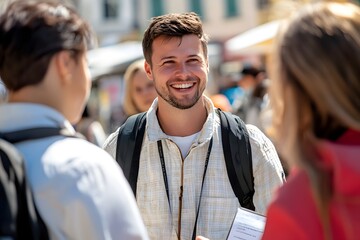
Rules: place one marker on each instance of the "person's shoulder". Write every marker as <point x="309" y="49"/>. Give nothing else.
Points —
<point x="257" y="137"/>
<point x="110" y="143"/>
<point x="81" y="150"/>
<point x="295" y="191"/>
<point x="292" y="211"/>
<point x="111" y="140"/>
<point x="264" y="154"/>
<point x="294" y="203"/>
<point x="71" y="160"/>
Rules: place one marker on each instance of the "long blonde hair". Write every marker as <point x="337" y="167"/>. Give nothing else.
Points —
<point x="315" y="90"/>
<point x="129" y="105"/>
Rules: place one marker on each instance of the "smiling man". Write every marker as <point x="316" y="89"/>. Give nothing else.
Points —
<point x="183" y="189"/>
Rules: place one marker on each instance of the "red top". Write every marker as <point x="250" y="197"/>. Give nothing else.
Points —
<point x="293" y="215"/>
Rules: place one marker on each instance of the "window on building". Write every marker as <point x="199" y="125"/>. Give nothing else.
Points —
<point x="111" y="9"/>
<point x="195" y="6"/>
<point x="157" y="7"/>
<point x="231" y="8"/>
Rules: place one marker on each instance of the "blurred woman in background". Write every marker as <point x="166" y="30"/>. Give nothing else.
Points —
<point x="139" y="90"/>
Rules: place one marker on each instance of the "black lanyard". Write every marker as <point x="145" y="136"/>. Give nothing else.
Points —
<point x="163" y="168"/>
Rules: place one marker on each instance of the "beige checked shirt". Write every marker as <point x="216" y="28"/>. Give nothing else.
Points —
<point x="218" y="202"/>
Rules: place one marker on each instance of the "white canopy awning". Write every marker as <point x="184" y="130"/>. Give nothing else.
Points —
<point x="113" y="59"/>
<point x="254" y="41"/>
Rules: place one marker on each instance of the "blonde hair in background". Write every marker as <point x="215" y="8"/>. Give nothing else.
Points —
<point x="316" y="87"/>
<point x="129" y="104"/>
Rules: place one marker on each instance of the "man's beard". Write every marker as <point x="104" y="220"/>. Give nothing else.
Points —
<point x="180" y="104"/>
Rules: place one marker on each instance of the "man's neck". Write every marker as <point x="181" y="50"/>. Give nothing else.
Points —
<point x="181" y="122"/>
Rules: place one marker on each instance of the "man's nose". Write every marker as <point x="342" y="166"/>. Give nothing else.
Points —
<point x="182" y="71"/>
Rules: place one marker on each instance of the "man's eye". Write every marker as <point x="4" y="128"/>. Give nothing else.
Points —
<point x="193" y="60"/>
<point x="168" y="62"/>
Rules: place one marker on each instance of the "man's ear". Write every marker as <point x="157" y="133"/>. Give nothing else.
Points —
<point x="63" y="63"/>
<point x="148" y="71"/>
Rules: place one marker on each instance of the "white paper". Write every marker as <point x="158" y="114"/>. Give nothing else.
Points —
<point x="247" y="225"/>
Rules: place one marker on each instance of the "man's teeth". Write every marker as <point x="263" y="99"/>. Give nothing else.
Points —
<point x="183" y="85"/>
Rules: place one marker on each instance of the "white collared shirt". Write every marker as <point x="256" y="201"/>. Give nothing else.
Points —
<point x="79" y="190"/>
<point x="218" y="203"/>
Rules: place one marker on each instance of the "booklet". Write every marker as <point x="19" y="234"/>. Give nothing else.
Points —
<point x="247" y="225"/>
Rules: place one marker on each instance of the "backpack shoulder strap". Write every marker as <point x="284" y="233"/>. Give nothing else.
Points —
<point x="15" y="196"/>
<point x="36" y="133"/>
<point x="128" y="147"/>
<point x="237" y="153"/>
<point x="22" y="211"/>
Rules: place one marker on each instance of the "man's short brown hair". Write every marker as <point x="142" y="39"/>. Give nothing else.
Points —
<point x="173" y="25"/>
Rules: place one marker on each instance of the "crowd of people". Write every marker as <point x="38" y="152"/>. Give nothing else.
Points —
<point x="304" y="108"/>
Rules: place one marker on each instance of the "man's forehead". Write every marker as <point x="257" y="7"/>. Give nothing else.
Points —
<point x="188" y="45"/>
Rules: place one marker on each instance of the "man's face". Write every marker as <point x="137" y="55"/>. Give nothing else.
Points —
<point x="179" y="70"/>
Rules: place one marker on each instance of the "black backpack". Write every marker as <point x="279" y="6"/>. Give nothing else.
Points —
<point x="236" y="146"/>
<point x="19" y="218"/>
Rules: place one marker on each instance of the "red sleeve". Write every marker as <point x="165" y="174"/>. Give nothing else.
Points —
<point x="280" y="225"/>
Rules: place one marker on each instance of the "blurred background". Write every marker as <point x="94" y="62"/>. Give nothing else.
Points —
<point x="241" y="33"/>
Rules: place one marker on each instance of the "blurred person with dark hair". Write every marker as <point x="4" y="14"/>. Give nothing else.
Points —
<point x="79" y="190"/>
<point x="315" y="94"/>
<point x="3" y="92"/>
<point x="250" y="105"/>
<point x="90" y="128"/>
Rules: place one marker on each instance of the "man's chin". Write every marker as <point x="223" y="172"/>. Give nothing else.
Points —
<point x="183" y="105"/>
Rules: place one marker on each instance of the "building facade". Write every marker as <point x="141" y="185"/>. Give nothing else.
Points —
<point x="120" y="20"/>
